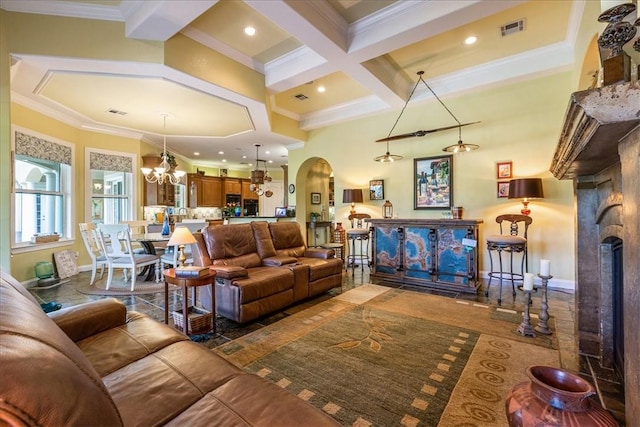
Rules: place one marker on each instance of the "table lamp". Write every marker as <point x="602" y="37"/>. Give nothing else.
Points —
<point x="181" y="236"/>
<point x="525" y="188"/>
<point x="352" y="196"/>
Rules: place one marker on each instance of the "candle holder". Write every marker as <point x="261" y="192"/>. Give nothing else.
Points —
<point x="544" y="314"/>
<point x="525" y="328"/>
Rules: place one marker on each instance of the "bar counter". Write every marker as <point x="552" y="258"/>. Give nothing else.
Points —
<point x="436" y="253"/>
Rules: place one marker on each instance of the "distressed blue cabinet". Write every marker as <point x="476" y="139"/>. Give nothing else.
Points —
<point x="439" y="253"/>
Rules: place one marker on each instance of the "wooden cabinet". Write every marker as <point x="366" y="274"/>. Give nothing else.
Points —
<point x="246" y="191"/>
<point x="232" y="186"/>
<point x="204" y="191"/>
<point x="435" y="253"/>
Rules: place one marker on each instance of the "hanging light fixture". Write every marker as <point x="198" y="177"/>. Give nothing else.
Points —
<point x="162" y="173"/>
<point x="460" y="146"/>
<point x="259" y="177"/>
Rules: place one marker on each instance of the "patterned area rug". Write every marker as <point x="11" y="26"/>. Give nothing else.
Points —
<point x="381" y="356"/>
<point x="121" y="287"/>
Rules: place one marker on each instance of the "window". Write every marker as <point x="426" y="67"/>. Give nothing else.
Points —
<point x="111" y="189"/>
<point x="42" y="184"/>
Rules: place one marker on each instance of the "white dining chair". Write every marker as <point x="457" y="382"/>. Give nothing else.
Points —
<point x="94" y="249"/>
<point x="115" y="240"/>
<point x="171" y="254"/>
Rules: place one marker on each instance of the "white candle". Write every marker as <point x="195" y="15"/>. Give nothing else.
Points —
<point x="545" y="265"/>
<point x="527" y="284"/>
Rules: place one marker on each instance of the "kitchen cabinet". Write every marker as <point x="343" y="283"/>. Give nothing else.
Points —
<point x="232" y="186"/>
<point x="204" y="191"/>
<point x="439" y="253"/>
<point x="246" y="192"/>
<point x="155" y="194"/>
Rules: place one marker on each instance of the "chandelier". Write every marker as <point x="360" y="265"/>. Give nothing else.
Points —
<point x="162" y="173"/>
<point x="259" y="176"/>
<point x="455" y="148"/>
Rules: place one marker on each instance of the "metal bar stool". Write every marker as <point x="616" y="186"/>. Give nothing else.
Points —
<point x="357" y="234"/>
<point x="510" y="243"/>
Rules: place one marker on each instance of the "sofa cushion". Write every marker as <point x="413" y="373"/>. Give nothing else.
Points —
<point x="35" y="352"/>
<point x="232" y="245"/>
<point x="262" y="235"/>
<point x="263" y="282"/>
<point x="287" y="238"/>
<point x="320" y="268"/>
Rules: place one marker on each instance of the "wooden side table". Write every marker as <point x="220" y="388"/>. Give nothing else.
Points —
<point x="185" y="284"/>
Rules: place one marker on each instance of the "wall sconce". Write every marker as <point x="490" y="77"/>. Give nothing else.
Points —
<point x="352" y="196"/>
<point x="387" y="209"/>
<point x="525" y="188"/>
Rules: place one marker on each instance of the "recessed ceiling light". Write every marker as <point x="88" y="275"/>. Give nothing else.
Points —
<point x="244" y="157"/>
<point x="270" y="161"/>
<point x="267" y="152"/>
<point x="470" y="40"/>
<point x="224" y="160"/>
<point x="321" y="89"/>
<point x="250" y="31"/>
<point x="196" y="153"/>
<point x="220" y="152"/>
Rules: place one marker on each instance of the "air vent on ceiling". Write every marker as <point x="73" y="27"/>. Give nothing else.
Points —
<point x="118" y="112"/>
<point x="301" y="97"/>
<point x="512" y="27"/>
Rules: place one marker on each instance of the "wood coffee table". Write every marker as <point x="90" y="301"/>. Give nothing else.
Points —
<point x="185" y="284"/>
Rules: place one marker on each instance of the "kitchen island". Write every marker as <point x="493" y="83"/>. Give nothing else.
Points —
<point x="437" y="253"/>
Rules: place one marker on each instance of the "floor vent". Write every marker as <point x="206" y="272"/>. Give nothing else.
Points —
<point x="512" y="27"/>
<point x="301" y="97"/>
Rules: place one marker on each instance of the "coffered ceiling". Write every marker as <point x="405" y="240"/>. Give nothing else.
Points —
<point x="365" y="53"/>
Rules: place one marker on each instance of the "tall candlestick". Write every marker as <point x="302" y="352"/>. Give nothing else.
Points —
<point x="527" y="284"/>
<point x="545" y="267"/>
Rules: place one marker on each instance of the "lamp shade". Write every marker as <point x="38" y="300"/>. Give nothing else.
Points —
<point x="525" y="188"/>
<point x="352" y="196"/>
<point x="181" y="236"/>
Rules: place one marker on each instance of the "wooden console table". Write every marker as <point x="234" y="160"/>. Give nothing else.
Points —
<point x="438" y="253"/>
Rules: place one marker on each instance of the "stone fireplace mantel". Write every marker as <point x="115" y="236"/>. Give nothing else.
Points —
<point x="595" y="121"/>
<point x="599" y="149"/>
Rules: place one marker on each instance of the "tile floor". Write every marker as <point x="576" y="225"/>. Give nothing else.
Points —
<point x="561" y="306"/>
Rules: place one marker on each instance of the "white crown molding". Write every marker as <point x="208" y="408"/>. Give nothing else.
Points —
<point x="351" y="110"/>
<point x="223" y="48"/>
<point x="289" y="70"/>
<point x="65" y="8"/>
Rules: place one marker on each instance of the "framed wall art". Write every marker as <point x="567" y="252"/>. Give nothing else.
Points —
<point x="503" y="189"/>
<point x="504" y="170"/>
<point x="315" y="198"/>
<point x="433" y="182"/>
<point x="376" y="189"/>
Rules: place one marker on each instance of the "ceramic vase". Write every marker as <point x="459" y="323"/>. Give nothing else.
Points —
<point x="554" y="397"/>
<point x="237" y="211"/>
<point x="166" y="230"/>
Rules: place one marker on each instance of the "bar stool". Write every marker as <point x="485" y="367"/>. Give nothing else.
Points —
<point x="357" y="234"/>
<point x="510" y="243"/>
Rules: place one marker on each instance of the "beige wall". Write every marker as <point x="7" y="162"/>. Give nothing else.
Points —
<point x="5" y="143"/>
<point x="520" y="123"/>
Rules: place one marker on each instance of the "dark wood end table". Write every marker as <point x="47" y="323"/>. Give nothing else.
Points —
<point x="185" y="284"/>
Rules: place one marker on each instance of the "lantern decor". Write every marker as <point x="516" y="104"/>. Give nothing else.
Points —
<point x="387" y="209"/>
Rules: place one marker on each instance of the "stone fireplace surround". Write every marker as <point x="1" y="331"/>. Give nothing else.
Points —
<point x="599" y="149"/>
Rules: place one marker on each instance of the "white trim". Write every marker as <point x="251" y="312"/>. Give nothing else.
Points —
<point x="565" y="284"/>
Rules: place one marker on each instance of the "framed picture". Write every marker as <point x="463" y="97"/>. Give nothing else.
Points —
<point x="503" y="189"/>
<point x="433" y="182"/>
<point x="504" y="170"/>
<point x="315" y="198"/>
<point x="376" y="189"/>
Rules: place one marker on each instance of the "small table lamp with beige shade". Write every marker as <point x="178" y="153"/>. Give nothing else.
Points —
<point x="180" y="237"/>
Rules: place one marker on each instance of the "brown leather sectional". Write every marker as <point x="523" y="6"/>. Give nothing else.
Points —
<point x="263" y="267"/>
<point x="95" y="364"/>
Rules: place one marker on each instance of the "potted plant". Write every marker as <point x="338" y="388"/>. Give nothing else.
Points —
<point x="314" y="216"/>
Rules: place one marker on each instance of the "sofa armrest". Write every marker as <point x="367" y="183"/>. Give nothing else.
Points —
<point x="278" y="260"/>
<point x="229" y="271"/>
<point x="319" y="253"/>
<point x="84" y="320"/>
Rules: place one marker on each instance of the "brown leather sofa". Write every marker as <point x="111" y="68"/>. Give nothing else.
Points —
<point x="263" y="267"/>
<point x="97" y="365"/>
